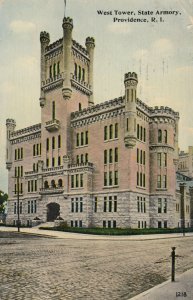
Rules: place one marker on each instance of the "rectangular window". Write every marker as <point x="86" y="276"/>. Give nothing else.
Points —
<point x="109" y="224"/>
<point x="35" y="185"/>
<point x="159" y="181"/>
<point x="159" y="162"/>
<point x="116" y="155"/>
<point x="76" y="204"/>
<point x="115" y="203"/>
<point x="72" y="205"/>
<point x="141" y="133"/>
<point x="165" y="206"/>
<point x="143" y="179"/>
<point x="95" y="204"/>
<point x="53" y="161"/>
<point x="47" y="144"/>
<point x="32" y="207"/>
<point x="72" y="181"/>
<point x="138" y="204"/>
<point x="28" y="207"/>
<point x="110" y="131"/>
<point x="105" y="178"/>
<point x="110" y="204"/>
<point x="82" y="139"/>
<point x="110" y="178"/>
<point x="144" y="158"/>
<point x="53" y="142"/>
<point x="21" y="153"/>
<point x="138" y="224"/>
<point x="59" y="160"/>
<point x="47" y="162"/>
<point x="105" y="133"/>
<point x="59" y="141"/>
<point x="144" y="205"/>
<point x="116" y="178"/>
<point x="138" y="131"/>
<point x="81" y="180"/>
<point x="159" y="205"/>
<point x="137" y="155"/>
<point x="32" y="186"/>
<point x="165" y="224"/>
<point x="15" y="208"/>
<point x="165" y="159"/>
<point x="35" y="206"/>
<point x="81" y="205"/>
<point x="77" y="139"/>
<point x="86" y="157"/>
<point x="15" y="154"/>
<point x="110" y="156"/>
<point x="105" y="157"/>
<point x="159" y="224"/>
<point x="105" y="204"/>
<point x="144" y="135"/>
<point x="28" y="187"/>
<point x="77" y="159"/>
<point x="76" y="224"/>
<point x="34" y="150"/>
<point x="164" y="181"/>
<point x="116" y="130"/>
<point x="53" y="110"/>
<point x="71" y="223"/>
<point x="21" y="171"/>
<point x="137" y="178"/>
<point x="77" y="180"/>
<point x="82" y="158"/>
<point x="86" y="138"/>
<point x="104" y="224"/>
<point x="141" y="202"/>
<point x="114" y="224"/>
<point x="80" y="223"/>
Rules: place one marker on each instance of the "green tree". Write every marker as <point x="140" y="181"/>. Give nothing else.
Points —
<point x="3" y="201"/>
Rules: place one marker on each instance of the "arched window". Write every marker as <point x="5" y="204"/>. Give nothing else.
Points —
<point x="60" y="183"/>
<point x="53" y="142"/>
<point x="46" y="184"/>
<point x="58" y="68"/>
<point x="53" y="184"/>
<point x="34" y="167"/>
<point x="165" y="136"/>
<point x="83" y="74"/>
<point x="159" y="136"/>
<point x="50" y="71"/>
<point x="75" y="70"/>
<point x="54" y="70"/>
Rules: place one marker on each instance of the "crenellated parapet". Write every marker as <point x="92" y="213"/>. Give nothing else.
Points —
<point x="54" y="46"/>
<point x="163" y="110"/>
<point x="67" y="23"/>
<point x="44" y="38"/>
<point x="26" y="131"/>
<point x="79" y="48"/>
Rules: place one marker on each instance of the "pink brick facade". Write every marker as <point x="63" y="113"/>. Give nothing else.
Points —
<point x="112" y="164"/>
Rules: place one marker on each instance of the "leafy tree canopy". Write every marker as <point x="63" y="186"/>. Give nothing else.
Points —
<point x="3" y="200"/>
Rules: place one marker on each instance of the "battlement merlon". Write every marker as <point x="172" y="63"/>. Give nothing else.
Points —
<point x="163" y="111"/>
<point x="10" y="122"/>
<point x="131" y="76"/>
<point x="25" y="131"/>
<point x="44" y="38"/>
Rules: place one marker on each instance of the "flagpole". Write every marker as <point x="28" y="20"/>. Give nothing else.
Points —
<point x="64" y="8"/>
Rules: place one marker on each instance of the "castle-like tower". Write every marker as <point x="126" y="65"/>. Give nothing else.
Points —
<point x="106" y="165"/>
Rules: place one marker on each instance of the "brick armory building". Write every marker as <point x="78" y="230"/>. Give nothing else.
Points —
<point x="109" y="165"/>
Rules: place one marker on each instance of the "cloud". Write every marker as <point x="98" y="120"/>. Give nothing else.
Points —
<point x="119" y="28"/>
<point x="19" y="26"/>
<point x="162" y="46"/>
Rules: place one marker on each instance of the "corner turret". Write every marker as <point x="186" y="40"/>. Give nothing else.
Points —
<point x="44" y="40"/>
<point x="90" y="45"/>
<point x="67" y="46"/>
<point x="130" y="82"/>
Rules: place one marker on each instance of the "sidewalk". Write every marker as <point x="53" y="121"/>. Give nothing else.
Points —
<point x="182" y="288"/>
<point x="79" y="236"/>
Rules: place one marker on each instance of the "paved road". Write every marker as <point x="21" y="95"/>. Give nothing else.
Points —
<point x="39" y="268"/>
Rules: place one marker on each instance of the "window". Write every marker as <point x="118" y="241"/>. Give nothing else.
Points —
<point x="83" y="74"/>
<point x="105" y="133"/>
<point x="165" y="136"/>
<point x="141" y="133"/>
<point x="164" y="181"/>
<point x="81" y="205"/>
<point x="82" y="158"/>
<point x="141" y="157"/>
<point x="114" y="224"/>
<point x="15" y="208"/>
<point x="159" y="162"/>
<point x="47" y="162"/>
<point x="58" y="68"/>
<point x="138" y="204"/>
<point x="159" y="224"/>
<point x="46" y="186"/>
<point x="79" y="73"/>
<point x="53" y="110"/>
<point x="159" y="136"/>
<point x="115" y="203"/>
<point x="60" y="183"/>
<point x="165" y="206"/>
<point x="144" y="205"/>
<point x="53" y="142"/>
<point x="47" y="144"/>
<point x="15" y="154"/>
<point x="159" y="205"/>
<point x="116" y="177"/>
<point x="144" y="158"/>
<point x="105" y="178"/>
<point x="165" y="159"/>
<point x="54" y="70"/>
<point x="82" y="139"/>
<point x="75" y="70"/>
<point x="34" y="150"/>
<point x="53" y="162"/>
<point x="104" y="224"/>
<point x="86" y="157"/>
<point x="110" y="178"/>
<point x="72" y="205"/>
<point x="116" y="130"/>
<point x="110" y="156"/>
<point x="105" y="157"/>
<point x="59" y="160"/>
<point x="72" y="181"/>
<point x="110" y="204"/>
<point x="77" y="139"/>
<point x="71" y="223"/>
<point x="105" y="204"/>
<point x="77" y="180"/>
<point x="138" y="131"/>
<point x="81" y="180"/>
<point x="59" y="141"/>
<point x="35" y="185"/>
<point x="53" y="184"/>
<point x="86" y="138"/>
<point x="116" y="155"/>
<point x="137" y="178"/>
<point x="76" y="204"/>
<point x="137" y="155"/>
<point x="109" y="224"/>
<point x="144" y="135"/>
<point x="95" y="204"/>
<point x="159" y="181"/>
<point x="110" y="131"/>
<point x="80" y="223"/>
<point x="79" y="106"/>
<point x="143" y="179"/>
<point x="165" y="224"/>
<point x="50" y="71"/>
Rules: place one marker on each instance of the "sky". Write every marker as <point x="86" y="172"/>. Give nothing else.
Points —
<point x="161" y="53"/>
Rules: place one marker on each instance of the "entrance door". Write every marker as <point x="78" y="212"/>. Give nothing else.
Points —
<point x="53" y="211"/>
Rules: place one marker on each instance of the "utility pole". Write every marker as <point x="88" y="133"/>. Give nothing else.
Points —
<point x="18" y="206"/>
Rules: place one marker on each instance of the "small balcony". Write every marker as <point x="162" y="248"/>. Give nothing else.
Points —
<point x="51" y="190"/>
<point x="52" y="125"/>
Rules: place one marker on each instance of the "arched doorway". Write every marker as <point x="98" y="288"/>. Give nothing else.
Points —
<point x="53" y="211"/>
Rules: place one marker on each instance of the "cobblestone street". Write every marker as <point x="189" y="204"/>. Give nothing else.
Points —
<point x="34" y="267"/>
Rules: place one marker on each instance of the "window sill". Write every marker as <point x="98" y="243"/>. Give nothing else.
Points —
<point x="111" y="140"/>
<point x="161" y="189"/>
<point x="77" y="188"/>
<point x="110" y="186"/>
<point x="82" y="146"/>
<point x="140" y="187"/>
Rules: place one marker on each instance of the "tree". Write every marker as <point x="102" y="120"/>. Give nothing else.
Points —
<point x="3" y="201"/>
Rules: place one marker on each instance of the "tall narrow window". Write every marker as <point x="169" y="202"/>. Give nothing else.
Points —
<point x="144" y="135"/>
<point x="53" y="142"/>
<point x="59" y="160"/>
<point x="53" y="162"/>
<point x="141" y="133"/>
<point x="83" y="74"/>
<point x="59" y="141"/>
<point x="164" y="181"/>
<point x="77" y="180"/>
<point x="165" y="159"/>
<point x="165" y="206"/>
<point x="81" y="180"/>
<point x="105" y="133"/>
<point x="82" y="138"/>
<point x="159" y="181"/>
<point x="105" y="178"/>
<point x="15" y="154"/>
<point x="115" y="203"/>
<point x="95" y="204"/>
<point x="116" y="177"/>
<point x="137" y="178"/>
<point x="110" y="131"/>
<point x="81" y="205"/>
<point x="105" y="157"/>
<point x="141" y="157"/>
<point x="144" y="158"/>
<point x="47" y="144"/>
<point x="165" y="136"/>
<point x="79" y="73"/>
<point x="110" y="204"/>
<point x="105" y="204"/>
<point x="47" y="162"/>
<point x="116" y="155"/>
<point x="58" y="68"/>
<point x="72" y="181"/>
<point x="138" y="131"/>
<point x="50" y="71"/>
<point x="53" y="110"/>
<point x="159" y="162"/>
<point x="159" y="136"/>
<point x="79" y="106"/>
<point x="159" y="205"/>
<point x="110" y="156"/>
<point x="86" y="138"/>
<point x="137" y="155"/>
<point x="77" y="139"/>
<point x="72" y="205"/>
<point x="110" y="178"/>
<point x="34" y="150"/>
<point x="75" y="70"/>
<point x="54" y="70"/>
<point x="86" y="157"/>
<point x="21" y="153"/>
<point x="82" y="159"/>
<point x="116" y="130"/>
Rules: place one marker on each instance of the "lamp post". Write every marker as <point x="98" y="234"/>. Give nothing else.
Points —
<point x="18" y="207"/>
